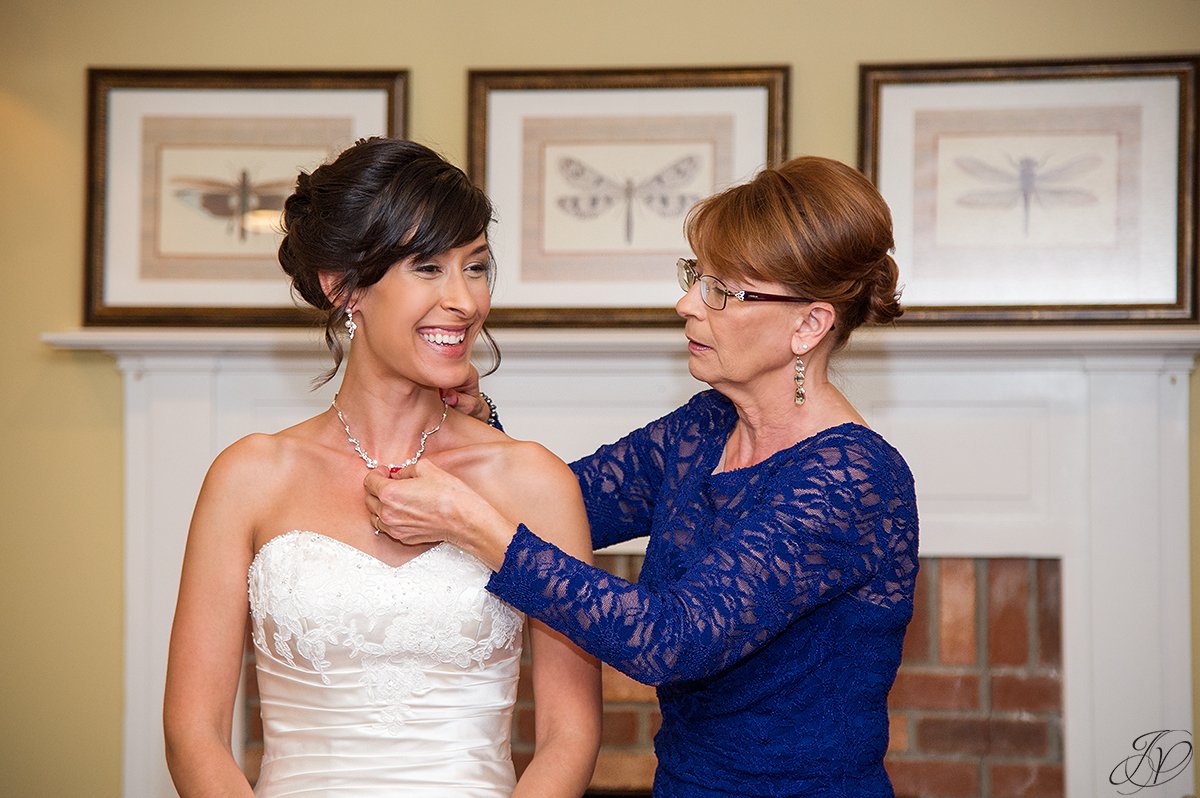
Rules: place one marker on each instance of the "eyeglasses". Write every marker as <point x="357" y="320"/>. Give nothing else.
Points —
<point x="715" y="294"/>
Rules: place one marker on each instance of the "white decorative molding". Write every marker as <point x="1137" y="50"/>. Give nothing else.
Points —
<point x="1046" y="442"/>
<point x="934" y="341"/>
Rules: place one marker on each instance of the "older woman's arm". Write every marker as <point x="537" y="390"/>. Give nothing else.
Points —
<point x="789" y="556"/>
<point x="621" y="482"/>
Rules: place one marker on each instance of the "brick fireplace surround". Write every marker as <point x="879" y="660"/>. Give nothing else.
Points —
<point x="1052" y="479"/>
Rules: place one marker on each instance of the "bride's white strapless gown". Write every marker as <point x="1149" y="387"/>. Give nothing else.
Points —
<point x="378" y="680"/>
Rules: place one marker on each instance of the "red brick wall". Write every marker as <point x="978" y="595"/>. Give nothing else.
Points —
<point x="977" y="706"/>
<point x="976" y="711"/>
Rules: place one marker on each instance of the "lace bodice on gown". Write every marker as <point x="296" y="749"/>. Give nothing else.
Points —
<point x="377" y="680"/>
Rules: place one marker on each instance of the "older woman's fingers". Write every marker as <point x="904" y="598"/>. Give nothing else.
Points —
<point x="375" y="482"/>
<point x="410" y="508"/>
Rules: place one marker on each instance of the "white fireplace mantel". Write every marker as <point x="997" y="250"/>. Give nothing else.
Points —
<point x="1069" y="443"/>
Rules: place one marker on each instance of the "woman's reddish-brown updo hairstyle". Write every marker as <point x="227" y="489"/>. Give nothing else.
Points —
<point x="380" y="202"/>
<point x="814" y="225"/>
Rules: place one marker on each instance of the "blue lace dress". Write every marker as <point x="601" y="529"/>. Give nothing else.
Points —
<point x="770" y="610"/>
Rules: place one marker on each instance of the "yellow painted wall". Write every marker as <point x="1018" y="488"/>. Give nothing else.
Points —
<point x="60" y="460"/>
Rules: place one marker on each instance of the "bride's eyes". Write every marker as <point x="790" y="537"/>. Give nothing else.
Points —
<point x="474" y="270"/>
<point x="481" y="269"/>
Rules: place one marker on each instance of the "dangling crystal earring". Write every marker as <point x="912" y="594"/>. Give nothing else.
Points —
<point x="350" y="325"/>
<point x="799" y="381"/>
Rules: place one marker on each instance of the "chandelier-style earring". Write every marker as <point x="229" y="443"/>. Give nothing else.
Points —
<point x="350" y="325"/>
<point x="799" y="381"/>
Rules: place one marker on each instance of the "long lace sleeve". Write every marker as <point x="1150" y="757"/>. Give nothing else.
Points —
<point x="621" y="482"/>
<point x="816" y="529"/>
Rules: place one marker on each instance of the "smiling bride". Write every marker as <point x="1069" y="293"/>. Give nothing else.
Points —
<point x="383" y="668"/>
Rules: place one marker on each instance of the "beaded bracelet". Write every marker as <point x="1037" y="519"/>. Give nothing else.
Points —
<point x="493" y="419"/>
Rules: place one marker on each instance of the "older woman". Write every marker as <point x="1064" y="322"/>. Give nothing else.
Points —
<point x="779" y="574"/>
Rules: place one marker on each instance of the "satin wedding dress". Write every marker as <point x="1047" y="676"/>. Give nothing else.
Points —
<point x="378" y="680"/>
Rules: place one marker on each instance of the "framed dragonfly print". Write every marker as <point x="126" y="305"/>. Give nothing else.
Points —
<point x="592" y="173"/>
<point x="187" y="174"/>
<point x="1060" y="191"/>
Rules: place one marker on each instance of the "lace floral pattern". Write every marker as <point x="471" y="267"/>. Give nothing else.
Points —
<point x="394" y="621"/>
<point x="767" y="592"/>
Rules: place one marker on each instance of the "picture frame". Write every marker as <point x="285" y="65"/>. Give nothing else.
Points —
<point x="592" y="172"/>
<point x="1038" y="191"/>
<point x="186" y="175"/>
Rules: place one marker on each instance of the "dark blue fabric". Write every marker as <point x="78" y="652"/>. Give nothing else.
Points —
<point x="770" y="610"/>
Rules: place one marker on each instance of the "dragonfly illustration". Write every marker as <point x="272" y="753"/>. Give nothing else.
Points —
<point x="598" y="193"/>
<point x="1027" y="180"/>
<point x="241" y="201"/>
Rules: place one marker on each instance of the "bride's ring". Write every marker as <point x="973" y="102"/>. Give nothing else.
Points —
<point x="375" y="521"/>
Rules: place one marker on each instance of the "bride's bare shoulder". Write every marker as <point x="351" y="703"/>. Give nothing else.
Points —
<point x="263" y="460"/>
<point x="484" y="456"/>
<point x="526" y="482"/>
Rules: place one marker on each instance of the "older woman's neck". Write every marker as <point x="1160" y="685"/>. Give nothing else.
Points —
<point x="771" y="423"/>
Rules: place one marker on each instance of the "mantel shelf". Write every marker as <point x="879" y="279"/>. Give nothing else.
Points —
<point x="908" y="341"/>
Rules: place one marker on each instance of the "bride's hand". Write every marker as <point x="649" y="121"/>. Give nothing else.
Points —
<point x="430" y="505"/>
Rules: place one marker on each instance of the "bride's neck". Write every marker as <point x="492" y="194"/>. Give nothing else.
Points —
<point x="387" y="417"/>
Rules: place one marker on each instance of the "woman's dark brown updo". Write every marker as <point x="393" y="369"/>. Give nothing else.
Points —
<point x="380" y="202"/>
<point x="814" y="225"/>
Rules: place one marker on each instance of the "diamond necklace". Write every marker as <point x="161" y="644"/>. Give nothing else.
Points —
<point x="371" y="462"/>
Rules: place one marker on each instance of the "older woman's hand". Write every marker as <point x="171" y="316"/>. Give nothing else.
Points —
<point x="430" y="505"/>
<point x="468" y="399"/>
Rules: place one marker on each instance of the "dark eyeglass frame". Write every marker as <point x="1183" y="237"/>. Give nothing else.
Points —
<point x="688" y="276"/>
